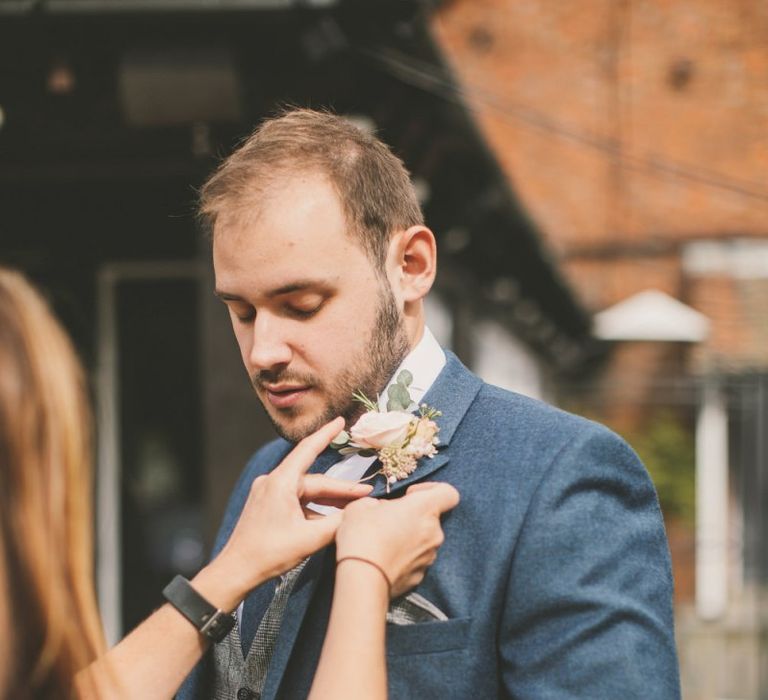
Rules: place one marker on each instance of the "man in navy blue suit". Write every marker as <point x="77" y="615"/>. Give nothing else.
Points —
<point x="554" y="580"/>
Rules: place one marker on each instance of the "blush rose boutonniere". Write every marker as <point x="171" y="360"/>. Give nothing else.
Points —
<point x="398" y="437"/>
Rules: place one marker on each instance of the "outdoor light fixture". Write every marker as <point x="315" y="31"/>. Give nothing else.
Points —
<point x="651" y="315"/>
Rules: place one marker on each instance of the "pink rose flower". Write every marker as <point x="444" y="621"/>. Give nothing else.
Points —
<point x="376" y="430"/>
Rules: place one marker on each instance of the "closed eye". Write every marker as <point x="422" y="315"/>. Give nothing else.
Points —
<point x="297" y="312"/>
<point x="247" y="318"/>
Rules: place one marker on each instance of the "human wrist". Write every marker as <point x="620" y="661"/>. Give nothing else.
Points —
<point x="224" y="582"/>
<point x="358" y="567"/>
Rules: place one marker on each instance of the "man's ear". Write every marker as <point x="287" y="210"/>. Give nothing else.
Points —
<point x="415" y="262"/>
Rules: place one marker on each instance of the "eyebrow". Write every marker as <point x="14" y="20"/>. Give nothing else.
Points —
<point x="296" y="286"/>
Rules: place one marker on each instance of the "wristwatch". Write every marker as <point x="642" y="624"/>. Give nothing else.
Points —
<point x="209" y="620"/>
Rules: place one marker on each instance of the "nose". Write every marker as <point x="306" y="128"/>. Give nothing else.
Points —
<point x="269" y="345"/>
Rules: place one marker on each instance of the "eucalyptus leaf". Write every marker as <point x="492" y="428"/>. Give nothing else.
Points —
<point x="405" y="378"/>
<point x="399" y="399"/>
<point x="349" y="451"/>
<point x="399" y="392"/>
<point x="367" y="453"/>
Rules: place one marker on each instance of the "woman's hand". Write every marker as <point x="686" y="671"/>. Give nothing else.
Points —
<point x="271" y="536"/>
<point x="400" y="535"/>
<point x="274" y="533"/>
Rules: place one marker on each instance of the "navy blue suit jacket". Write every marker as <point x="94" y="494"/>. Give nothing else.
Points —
<point x="554" y="574"/>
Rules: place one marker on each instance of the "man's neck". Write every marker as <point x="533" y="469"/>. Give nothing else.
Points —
<point x="414" y="330"/>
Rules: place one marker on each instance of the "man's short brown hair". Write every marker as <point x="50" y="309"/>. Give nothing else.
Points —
<point x="373" y="185"/>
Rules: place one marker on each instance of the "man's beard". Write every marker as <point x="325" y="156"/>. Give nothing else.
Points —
<point x="368" y="373"/>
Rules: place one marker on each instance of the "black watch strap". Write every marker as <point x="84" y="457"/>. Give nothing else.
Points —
<point x="210" y="621"/>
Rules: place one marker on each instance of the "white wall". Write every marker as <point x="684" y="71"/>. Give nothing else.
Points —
<point x="501" y="359"/>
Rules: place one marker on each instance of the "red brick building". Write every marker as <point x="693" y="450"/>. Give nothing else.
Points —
<point x="630" y="130"/>
<point x="636" y="136"/>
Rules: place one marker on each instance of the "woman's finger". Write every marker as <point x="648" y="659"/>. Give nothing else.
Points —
<point x="335" y="502"/>
<point x="437" y="499"/>
<point x="305" y="453"/>
<point x="321" y="531"/>
<point x="422" y="486"/>
<point x="320" y="488"/>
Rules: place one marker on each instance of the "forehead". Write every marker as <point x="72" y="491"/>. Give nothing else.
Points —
<point x="296" y="229"/>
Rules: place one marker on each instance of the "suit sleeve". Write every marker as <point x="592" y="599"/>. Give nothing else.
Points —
<point x="588" y="607"/>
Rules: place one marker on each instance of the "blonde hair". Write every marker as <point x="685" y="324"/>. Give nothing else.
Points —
<point x="46" y="547"/>
<point x="372" y="183"/>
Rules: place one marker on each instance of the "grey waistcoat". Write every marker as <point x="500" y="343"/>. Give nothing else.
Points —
<point x="238" y="678"/>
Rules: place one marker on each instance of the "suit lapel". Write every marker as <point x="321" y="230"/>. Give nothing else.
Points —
<point x="425" y="467"/>
<point x="325" y="460"/>
<point x="299" y="599"/>
<point x="254" y="607"/>
<point x="258" y="600"/>
<point x="292" y="619"/>
<point x="452" y="393"/>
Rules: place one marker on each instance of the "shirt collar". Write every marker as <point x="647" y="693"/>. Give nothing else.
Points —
<point x="424" y="362"/>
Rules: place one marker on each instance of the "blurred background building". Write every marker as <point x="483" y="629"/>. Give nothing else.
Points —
<point x="597" y="177"/>
<point x="636" y="136"/>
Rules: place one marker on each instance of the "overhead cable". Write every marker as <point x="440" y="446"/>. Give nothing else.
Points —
<point x="435" y="80"/>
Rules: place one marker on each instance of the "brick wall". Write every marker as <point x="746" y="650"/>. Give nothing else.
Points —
<point x="612" y="116"/>
<point x="629" y="129"/>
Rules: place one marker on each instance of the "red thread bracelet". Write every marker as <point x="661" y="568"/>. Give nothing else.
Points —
<point x="373" y="564"/>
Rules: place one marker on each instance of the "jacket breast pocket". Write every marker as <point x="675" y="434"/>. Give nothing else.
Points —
<point x="427" y="637"/>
